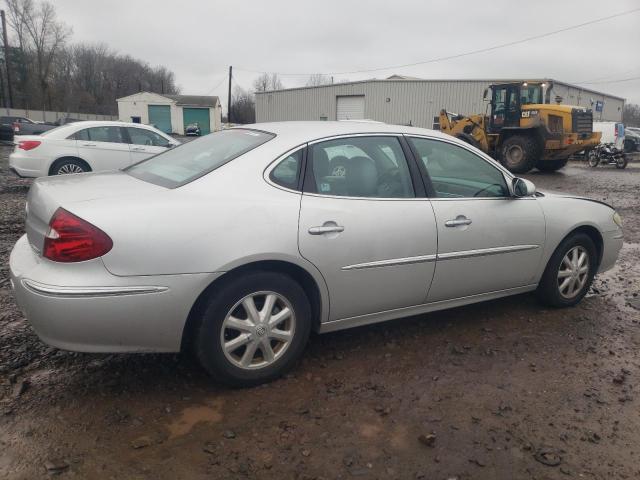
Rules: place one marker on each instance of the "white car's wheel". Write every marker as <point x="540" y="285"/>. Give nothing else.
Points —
<point x="254" y="329"/>
<point x="69" y="166"/>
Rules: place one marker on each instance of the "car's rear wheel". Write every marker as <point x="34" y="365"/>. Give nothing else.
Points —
<point x="569" y="272"/>
<point x="69" y="166"/>
<point x="254" y="329"/>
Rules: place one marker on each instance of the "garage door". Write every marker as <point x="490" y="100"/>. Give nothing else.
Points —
<point x="350" y="108"/>
<point x="199" y="116"/>
<point x="160" y="117"/>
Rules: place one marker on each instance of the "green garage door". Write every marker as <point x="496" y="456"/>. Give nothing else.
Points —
<point x="199" y="116"/>
<point x="160" y="117"/>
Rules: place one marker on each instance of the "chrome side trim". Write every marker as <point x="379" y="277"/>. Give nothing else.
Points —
<point x="391" y="262"/>
<point x="384" y="316"/>
<point x="81" y="292"/>
<point x="441" y="256"/>
<point x="485" y="251"/>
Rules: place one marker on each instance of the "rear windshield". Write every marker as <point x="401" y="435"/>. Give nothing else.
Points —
<point x="192" y="160"/>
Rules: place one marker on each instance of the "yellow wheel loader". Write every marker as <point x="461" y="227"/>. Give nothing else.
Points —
<point x="524" y="129"/>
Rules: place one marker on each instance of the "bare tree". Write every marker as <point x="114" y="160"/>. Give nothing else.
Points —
<point x="40" y="34"/>
<point x="84" y="78"/>
<point x="243" y="106"/>
<point x="266" y="82"/>
<point x="318" y="79"/>
<point x="631" y="115"/>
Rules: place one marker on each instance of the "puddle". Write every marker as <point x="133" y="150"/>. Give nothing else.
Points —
<point x="191" y="416"/>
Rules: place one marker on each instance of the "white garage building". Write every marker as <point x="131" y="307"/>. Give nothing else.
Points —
<point x="171" y="113"/>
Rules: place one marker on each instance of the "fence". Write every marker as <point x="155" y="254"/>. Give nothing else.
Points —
<point x="40" y="116"/>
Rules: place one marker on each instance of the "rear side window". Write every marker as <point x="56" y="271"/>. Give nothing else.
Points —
<point x="287" y="172"/>
<point x="100" y="134"/>
<point x="372" y="167"/>
<point x="192" y="160"/>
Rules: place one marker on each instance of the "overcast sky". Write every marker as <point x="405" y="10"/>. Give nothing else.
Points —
<point x="198" y="40"/>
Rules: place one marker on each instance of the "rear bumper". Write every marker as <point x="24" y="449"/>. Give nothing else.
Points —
<point x="28" y="166"/>
<point x="82" y="307"/>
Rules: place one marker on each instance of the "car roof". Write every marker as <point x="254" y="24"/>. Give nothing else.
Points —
<point x="104" y="123"/>
<point x="304" y="131"/>
<point x="64" y="130"/>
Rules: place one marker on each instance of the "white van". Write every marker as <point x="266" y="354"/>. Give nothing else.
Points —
<point x="612" y="132"/>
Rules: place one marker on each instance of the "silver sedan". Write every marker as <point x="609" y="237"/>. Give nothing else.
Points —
<point x="240" y="244"/>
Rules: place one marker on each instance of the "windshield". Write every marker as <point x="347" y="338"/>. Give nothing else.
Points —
<point x="192" y="160"/>
<point x="530" y="94"/>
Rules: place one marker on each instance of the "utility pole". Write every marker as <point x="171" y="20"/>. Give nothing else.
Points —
<point x="6" y="57"/>
<point x="229" y="98"/>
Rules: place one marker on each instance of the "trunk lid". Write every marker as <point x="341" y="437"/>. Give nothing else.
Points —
<point x="47" y="194"/>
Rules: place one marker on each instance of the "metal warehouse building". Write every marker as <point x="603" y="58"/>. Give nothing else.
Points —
<point x="408" y="101"/>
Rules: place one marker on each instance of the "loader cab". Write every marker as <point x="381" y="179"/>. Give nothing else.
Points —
<point x="505" y="107"/>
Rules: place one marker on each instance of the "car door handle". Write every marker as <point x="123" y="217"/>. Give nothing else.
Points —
<point x="88" y="144"/>
<point x="326" y="229"/>
<point x="138" y="149"/>
<point x="460" y="220"/>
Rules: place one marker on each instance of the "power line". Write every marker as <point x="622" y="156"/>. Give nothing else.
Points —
<point x="459" y="55"/>
<point x="217" y="85"/>
<point x="620" y="80"/>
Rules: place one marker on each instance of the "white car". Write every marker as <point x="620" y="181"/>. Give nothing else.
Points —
<point x="90" y="146"/>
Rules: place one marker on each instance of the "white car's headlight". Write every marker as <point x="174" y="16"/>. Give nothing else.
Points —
<point x="617" y="219"/>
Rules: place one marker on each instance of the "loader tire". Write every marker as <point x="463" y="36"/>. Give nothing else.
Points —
<point x="551" y="165"/>
<point x="520" y="153"/>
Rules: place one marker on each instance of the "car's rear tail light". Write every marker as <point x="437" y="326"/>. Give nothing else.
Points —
<point x="72" y="239"/>
<point x="28" y="144"/>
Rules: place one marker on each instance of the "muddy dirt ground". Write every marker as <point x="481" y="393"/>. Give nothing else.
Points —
<point x="500" y="390"/>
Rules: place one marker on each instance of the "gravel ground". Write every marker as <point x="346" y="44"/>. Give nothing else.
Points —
<point x="504" y="389"/>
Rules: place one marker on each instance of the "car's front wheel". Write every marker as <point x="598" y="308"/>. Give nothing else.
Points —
<point x="569" y="272"/>
<point x="254" y="329"/>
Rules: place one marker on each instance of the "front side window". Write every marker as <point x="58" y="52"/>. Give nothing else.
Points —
<point x="455" y="172"/>
<point x="192" y="160"/>
<point x="287" y="172"/>
<point x="361" y="167"/>
<point x="140" y="136"/>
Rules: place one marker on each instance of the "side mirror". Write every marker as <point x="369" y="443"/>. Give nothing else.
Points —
<point x="521" y="187"/>
<point x="170" y="145"/>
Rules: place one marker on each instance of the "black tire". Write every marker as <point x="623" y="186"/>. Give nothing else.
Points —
<point x="622" y="162"/>
<point x="208" y="335"/>
<point x="593" y="159"/>
<point x="551" y="165"/>
<point x="468" y="138"/>
<point x="548" y="291"/>
<point x="67" y="166"/>
<point x="520" y="153"/>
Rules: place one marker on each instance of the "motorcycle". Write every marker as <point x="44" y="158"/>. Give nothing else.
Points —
<point x="607" y="153"/>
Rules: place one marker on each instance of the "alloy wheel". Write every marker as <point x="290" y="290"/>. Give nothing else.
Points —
<point x="68" y="168"/>
<point x="573" y="272"/>
<point x="257" y="330"/>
